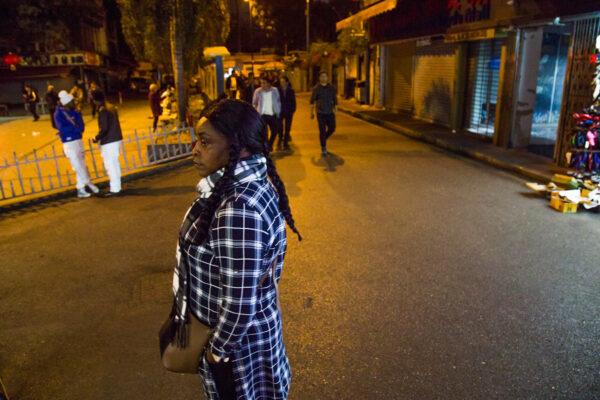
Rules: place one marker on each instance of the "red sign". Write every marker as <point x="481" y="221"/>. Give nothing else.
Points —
<point x="11" y="59"/>
<point x="467" y="11"/>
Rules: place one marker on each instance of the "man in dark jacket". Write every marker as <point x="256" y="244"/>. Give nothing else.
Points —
<point x="31" y="98"/>
<point x="52" y="102"/>
<point x="93" y="88"/>
<point x="249" y="88"/>
<point x="324" y="101"/>
<point x="110" y="138"/>
<point x="288" y="108"/>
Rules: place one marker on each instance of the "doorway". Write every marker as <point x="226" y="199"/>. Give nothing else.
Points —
<point x="549" y="89"/>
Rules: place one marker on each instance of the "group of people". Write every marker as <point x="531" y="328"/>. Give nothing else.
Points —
<point x="31" y="99"/>
<point x="275" y="100"/>
<point x="67" y="119"/>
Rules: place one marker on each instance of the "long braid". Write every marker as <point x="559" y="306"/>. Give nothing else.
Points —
<point x="213" y="202"/>
<point x="284" y="204"/>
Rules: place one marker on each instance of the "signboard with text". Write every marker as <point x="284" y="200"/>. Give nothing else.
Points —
<point x="468" y="11"/>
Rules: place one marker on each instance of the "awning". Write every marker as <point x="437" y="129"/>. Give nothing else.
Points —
<point x="375" y="9"/>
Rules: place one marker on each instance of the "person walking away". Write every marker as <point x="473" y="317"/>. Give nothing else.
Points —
<point x="93" y="88"/>
<point x="268" y="104"/>
<point x="69" y="123"/>
<point x="250" y="88"/>
<point x="154" y="100"/>
<point x="324" y="102"/>
<point x="32" y="99"/>
<point x="77" y="94"/>
<point x="52" y="102"/>
<point x="110" y="138"/>
<point x="233" y="85"/>
<point x="288" y="108"/>
<point x="230" y="256"/>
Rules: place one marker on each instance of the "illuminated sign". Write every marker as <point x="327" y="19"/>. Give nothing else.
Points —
<point x="467" y="11"/>
<point x="470" y="35"/>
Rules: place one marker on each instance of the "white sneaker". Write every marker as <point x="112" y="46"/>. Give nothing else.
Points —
<point x="82" y="194"/>
<point x="93" y="188"/>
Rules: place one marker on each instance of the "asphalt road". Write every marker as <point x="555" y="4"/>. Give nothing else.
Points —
<point x="422" y="275"/>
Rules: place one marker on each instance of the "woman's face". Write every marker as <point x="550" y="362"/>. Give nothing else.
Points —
<point x="211" y="152"/>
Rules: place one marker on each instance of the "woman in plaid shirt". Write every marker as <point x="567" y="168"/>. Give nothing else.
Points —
<point x="231" y="237"/>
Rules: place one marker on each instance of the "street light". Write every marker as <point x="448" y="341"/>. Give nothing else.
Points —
<point x="251" y="34"/>
<point x="307" y="25"/>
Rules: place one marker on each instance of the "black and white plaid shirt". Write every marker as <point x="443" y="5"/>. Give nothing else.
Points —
<point x="246" y="236"/>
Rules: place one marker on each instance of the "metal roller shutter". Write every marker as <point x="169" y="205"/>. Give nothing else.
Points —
<point x="435" y="69"/>
<point x="399" y="70"/>
<point x="483" y="68"/>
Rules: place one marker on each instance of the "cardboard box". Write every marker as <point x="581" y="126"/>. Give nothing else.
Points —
<point x="562" y="206"/>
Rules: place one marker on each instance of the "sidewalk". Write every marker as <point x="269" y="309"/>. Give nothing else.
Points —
<point x="518" y="161"/>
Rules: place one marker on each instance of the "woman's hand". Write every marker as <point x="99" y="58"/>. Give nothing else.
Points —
<point x="214" y="359"/>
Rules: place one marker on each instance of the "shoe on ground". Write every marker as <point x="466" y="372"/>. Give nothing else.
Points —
<point x="112" y="194"/>
<point x="93" y="188"/>
<point x="324" y="152"/>
<point x="82" y="194"/>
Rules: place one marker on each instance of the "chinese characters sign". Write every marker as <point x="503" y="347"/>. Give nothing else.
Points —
<point x="467" y="11"/>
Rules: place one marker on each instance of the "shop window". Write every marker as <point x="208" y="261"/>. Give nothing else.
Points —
<point x="482" y="86"/>
<point x="549" y="91"/>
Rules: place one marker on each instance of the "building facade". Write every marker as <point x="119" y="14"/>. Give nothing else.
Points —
<point x="510" y="72"/>
<point x="94" y="49"/>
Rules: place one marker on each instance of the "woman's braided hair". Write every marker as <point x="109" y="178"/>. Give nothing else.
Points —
<point x="245" y="129"/>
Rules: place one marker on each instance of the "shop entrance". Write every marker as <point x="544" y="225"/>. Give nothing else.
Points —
<point x="483" y="72"/>
<point x="549" y="90"/>
<point x="539" y="91"/>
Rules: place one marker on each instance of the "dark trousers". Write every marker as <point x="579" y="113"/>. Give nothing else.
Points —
<point x="155" y="122"/>
<point x="32" y="109"/>
<point x="286" y="127"/>
<point x="326" y="127"/>
<point x="93" y="108"/>
<point x="52" y="111"/>
<point x="274" y="129"/>
<point x="223" y="374"/>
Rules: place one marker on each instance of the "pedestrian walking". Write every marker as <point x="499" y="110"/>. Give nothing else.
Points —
<point x="233" y="84"/>
<point x="31" y="98"/>
<point x="69" y="123"/>
<point x="268" y="104"/>
<point x="52" y="103"/>
<point x="232" y="244"/>
<point x="110" y="138"/>
<point x="93" y="88"/>
<point x="324" y="102"/>
<point x="288" y="108"/>
<point x="154" y="100"/>
<point x="77" y="94"/>
<point x="250" y="87"/>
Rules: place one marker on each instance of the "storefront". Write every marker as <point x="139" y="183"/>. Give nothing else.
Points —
<point x="398" y="64"/>
<point x="434" y="79"/>
<point x="483" y="77"/>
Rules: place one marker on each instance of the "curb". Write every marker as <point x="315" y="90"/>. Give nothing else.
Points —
<point x="21" y="203"/>
<point x="452" y="147"/>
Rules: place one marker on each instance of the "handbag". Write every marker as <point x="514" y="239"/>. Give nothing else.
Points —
<point x="181" y="348"/>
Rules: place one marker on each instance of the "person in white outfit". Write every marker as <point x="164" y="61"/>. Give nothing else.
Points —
<point x="110" y="138"/>
<point x="70" y="129"/>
